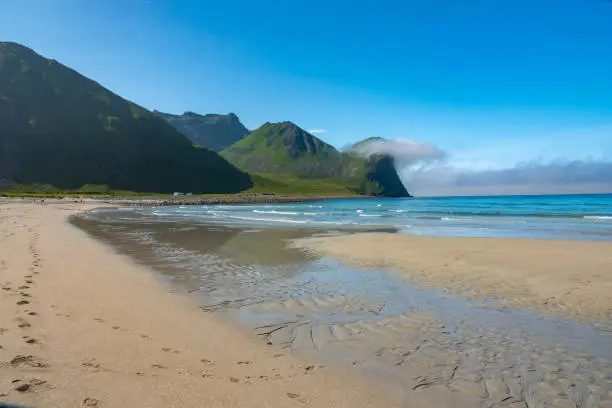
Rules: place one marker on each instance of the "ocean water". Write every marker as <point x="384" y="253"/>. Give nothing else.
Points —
<point x="587" y="217"/>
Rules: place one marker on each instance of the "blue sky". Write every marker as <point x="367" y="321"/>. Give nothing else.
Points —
<point x="491" y="82"/>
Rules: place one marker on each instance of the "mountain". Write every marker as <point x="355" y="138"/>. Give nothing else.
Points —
<point x="380" y="171"/>
<point x="285" y="152"/>
<point x="215" y="132"/>
<point x="284" y="148"/>
<point x="63" y="129"/>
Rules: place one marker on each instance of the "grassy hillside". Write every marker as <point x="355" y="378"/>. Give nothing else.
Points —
<point x="284" y="156"/>
<point x="63" y="129"/>
<point x="215" y="132"/>
<point x="284" y="148"/>
<point x="291" y="185"/>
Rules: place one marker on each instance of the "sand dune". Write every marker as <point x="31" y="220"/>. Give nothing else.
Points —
<point x="567" y="277"/>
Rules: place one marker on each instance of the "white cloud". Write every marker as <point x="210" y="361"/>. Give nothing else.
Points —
<point x="537" y="177"/>
<point x="315" y="131"/>
<point x="405" y="152"/>
<point x="425" y="169"/>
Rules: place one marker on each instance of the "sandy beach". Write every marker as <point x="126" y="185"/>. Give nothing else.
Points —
<point x="568" y="277"/>
<point x="81" y="326"/>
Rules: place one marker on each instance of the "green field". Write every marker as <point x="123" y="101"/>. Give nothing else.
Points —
<point x="280" y="185"/>
<point x="286" y="184"/>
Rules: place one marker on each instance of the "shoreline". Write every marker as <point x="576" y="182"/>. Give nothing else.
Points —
<point x="570" y="278"/>
<point x="259" y="199"/>
<point x="83" y="326"/>
<point x="183" y="200"/>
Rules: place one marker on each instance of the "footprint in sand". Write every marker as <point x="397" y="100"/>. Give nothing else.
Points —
<point x="311" y="368"/>
<point x="30" y="385"/>
<point x="91" y="402"/>
<point x="22" y="302"/>
<point x="296" y="397"/>
<point x="29" y="340"/>
<point x="207" y="361"/>
<point x="91" y="364"/>
<point x="169" y="350"/>
<point x="158" y="366"/>
<point x="28" y="361"/>
<point x="206" y="374"/>
<point x="22" y="323"/>
<point x="244" y="362"/>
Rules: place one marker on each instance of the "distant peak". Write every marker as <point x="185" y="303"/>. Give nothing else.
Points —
<point x="364" y="142"/>
<point x="18" y="48"/>
<point x="373" y="139"/>
<point x="289" y="125"/>
<point x="14" y="45"/>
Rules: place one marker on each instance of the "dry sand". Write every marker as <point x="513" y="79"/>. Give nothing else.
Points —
<point x="82" y="326"/>
<point x="569" y="277"/>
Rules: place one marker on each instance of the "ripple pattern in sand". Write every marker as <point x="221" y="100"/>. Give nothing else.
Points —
<point x="419" y="351"/>
<point x="419" y="340"/>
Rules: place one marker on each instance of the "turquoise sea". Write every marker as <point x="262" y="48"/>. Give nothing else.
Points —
<point x="553" y="216"/>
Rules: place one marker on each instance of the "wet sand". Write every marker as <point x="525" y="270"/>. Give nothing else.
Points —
<point x="82" y="326"/>
<point x="572" y="278"/>
<point x="422" y="344"/>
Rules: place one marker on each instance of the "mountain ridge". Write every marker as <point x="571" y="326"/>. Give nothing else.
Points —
<point x="284" y="148"/>
<point x="64" y="129"/>
<point x="213" y="131"/>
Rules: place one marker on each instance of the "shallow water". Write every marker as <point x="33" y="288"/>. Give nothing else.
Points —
<point x="576" y="216"/>
<point x="417" y="339"/>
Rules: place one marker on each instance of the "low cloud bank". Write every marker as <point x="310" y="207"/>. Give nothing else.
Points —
<point x="557" y="177"/>
<point x="406" y="152"/>
<point x="557" y="172"/>
<point x="425" y="171"/>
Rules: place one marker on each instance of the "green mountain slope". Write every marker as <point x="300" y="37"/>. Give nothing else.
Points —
<point x="61" y="128"/>
<point x="284" y="154"/>
<point x="284" y="148"/>
<point x="215" y="132"/>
